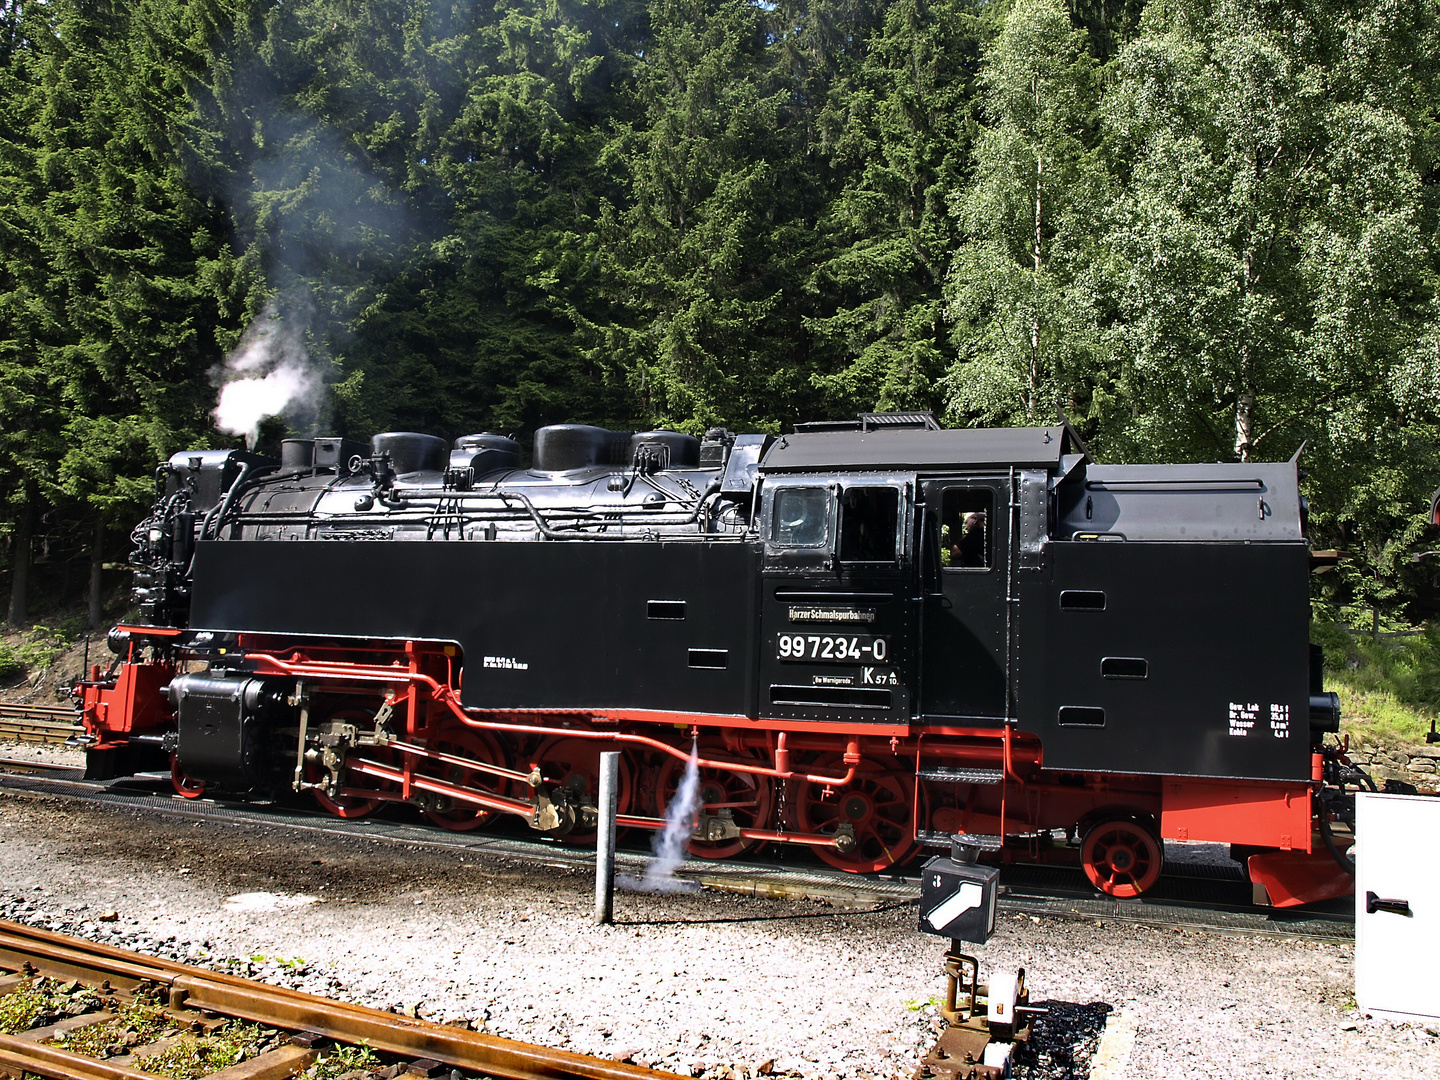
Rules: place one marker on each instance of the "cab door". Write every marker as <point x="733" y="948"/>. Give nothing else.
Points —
<point x="966" y="631"/>
<point x="838" y="621"/>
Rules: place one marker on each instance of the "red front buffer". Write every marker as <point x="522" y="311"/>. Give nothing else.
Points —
<point x="126" y="704"/>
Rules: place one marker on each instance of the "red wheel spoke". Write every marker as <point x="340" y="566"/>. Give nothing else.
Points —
<point x="747" y="798"/>
<point x="574" y="764"/>
<point x="350" y="711"/>
<point x="876" y="806"/>
<point x="1121" y="857"/>
<point x="185" y="786"/>
<point x="456" y="814"/>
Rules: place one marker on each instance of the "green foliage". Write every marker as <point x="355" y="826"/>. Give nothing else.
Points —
<point x="1016" y="289"/>
<point x="1202" y="229"/>
<point x="1389" y="682"/>
<point x="35" y="649"/>
<point x="42" y="644"/>
<point x="10" y="666"/>
<point x="192" y="1056"/>
<point x="341" y="1060"/>
<point x="1267" y="274"/>
<point x="138" y="1023"/>
<point x="896" y="131"/>
<point x="42" y="1001"/>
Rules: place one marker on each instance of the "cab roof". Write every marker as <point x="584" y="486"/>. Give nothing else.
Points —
<point x="921" y="450"/>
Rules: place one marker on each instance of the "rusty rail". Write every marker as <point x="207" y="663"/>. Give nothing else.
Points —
<point x="201" y="992"/>
<point x="37" y="723"/>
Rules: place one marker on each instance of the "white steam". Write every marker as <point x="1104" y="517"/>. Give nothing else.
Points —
<point x="669" y="846"/>
<point x="268" y="374"/>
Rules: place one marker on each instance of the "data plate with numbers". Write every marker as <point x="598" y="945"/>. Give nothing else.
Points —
<point x="832" y="648"/>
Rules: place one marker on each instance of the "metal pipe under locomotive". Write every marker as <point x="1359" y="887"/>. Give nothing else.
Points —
<point x="879" y="633"/>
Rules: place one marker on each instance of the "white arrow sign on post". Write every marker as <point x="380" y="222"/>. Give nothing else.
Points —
<point x="967" y="897"/>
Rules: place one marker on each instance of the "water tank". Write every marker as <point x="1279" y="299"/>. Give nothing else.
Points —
<point x="411" y="452"/>
<point x="485" y="453"/>
<point x="564" y="447"/>
<point x="665" y="450"/>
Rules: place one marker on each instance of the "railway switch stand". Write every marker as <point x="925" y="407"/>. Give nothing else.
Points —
<point x="985" y="1022"/>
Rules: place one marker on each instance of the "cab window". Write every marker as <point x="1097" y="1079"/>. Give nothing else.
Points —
<point x="869" y="519"/>
<point x="800" y="517"/>
<point x="966" y="528"/>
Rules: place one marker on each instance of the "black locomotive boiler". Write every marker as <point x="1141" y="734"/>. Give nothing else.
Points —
<point x="878" y="634"/>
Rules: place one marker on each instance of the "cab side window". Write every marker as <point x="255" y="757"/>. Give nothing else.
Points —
<point x="869" y="518"/>
<point x="966" y="535"/>
<point x="800" y="517"/>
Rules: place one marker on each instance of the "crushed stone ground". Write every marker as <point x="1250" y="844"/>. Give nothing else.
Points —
<point x="704" y="984"/>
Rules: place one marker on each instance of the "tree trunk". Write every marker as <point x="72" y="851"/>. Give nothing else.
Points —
<point x="1035" y="311"/>
<point x="19" y="613"/>
<point x="1244" y="399"/>
<point x="1244" y="431"/>
<point x="97" y="566"/>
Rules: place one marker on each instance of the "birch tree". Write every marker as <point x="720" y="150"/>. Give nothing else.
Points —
<point x="1016" y="291"/>
<point x="1271" y="257"/>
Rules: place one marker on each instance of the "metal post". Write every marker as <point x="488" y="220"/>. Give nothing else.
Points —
<point x="605" y="838"/>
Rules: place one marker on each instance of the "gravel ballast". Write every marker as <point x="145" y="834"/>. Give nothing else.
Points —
<point x="704" y="984"/>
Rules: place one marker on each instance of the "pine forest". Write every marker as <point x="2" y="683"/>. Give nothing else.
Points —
<point x="1200" y="229"/>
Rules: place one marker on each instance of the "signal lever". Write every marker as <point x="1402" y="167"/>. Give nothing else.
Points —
<point x="1373" y="904"/>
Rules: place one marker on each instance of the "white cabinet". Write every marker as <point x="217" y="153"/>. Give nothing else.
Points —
<point x="1397" y="906"/>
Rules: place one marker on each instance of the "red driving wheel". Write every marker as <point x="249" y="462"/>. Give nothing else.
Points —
<point x="747" y="797"/>
<point x="878" y="805"/>
<point x="573" y="763"/>
<point x="1121" y="857"/>
<point x="477" y="745"/>
<point x="184" y="785"/>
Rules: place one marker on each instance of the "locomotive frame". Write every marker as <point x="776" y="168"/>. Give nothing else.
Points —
<point x="876" y="635"/>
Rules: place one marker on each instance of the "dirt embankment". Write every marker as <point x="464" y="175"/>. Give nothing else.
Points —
<point x="46" y="668"/>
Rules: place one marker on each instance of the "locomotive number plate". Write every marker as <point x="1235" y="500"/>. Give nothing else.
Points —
<point x="832" y="648"/>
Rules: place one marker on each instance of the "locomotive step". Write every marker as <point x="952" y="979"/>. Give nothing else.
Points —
<point x="961" y="776"/>
<point x="983" y="841"/>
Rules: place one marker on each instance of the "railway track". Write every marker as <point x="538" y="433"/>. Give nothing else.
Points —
<point x="37" y="723"/>
<point x="1211" y="897"/>
<point x="138" y="1017"/>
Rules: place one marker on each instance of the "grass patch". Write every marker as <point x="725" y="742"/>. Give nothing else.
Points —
<point x="10" y="666"/>
<point x="34" y="650"/>
<point x="44" y="1001"/>
<point x="136" y="1025"/>
<point x="40" y="645"/>
<point x="193" y="1056"/>
<point x="342" y="1060"/>
<point x="1389" y="688"/>
<point x="1377" y="716"/>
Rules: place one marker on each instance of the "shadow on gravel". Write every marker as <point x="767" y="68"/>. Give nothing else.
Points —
<point x="833" y="913"/>
<point x="1063" y="1043"/>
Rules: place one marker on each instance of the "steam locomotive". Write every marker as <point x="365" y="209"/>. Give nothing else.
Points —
<point x="875" y="634"/>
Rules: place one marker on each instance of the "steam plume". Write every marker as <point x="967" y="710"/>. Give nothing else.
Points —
<point x="669" y="846"/>
<point x="268" y="374"/>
